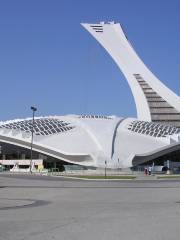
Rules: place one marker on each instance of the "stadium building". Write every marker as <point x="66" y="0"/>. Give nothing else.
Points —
<point x="95" y="141"/>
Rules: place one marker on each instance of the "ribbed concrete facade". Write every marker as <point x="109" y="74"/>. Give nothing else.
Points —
<point x="161" y="111"/>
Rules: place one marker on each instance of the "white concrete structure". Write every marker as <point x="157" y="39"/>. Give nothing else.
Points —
<point x="116" y="142"/>
<point x="92" y="140"/>
<point x="154" y="101"/>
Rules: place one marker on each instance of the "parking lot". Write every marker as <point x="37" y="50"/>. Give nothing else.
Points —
<point x="42" y="207"/>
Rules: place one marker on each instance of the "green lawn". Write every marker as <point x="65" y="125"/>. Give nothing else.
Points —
<point x="168" y="177"/>
<point x="103" y="177"/>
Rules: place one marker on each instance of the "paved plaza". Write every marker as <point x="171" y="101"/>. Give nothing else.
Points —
<point x="43" y="208"/>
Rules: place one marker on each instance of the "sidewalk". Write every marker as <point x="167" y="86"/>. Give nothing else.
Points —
<point x="144" y="177"/>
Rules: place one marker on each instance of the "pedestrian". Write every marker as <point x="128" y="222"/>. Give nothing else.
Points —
<point x="145" y="171"/>
<point x="149" y="170"/>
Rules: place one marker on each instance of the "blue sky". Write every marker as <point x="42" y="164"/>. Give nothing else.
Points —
<point x="48" y="60"/>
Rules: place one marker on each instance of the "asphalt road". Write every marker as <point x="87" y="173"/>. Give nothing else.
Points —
<point x="40" y="207"/>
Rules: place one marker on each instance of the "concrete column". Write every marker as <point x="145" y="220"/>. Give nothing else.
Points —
<point x="23" y="156"/>
<point x="54" y="164"/>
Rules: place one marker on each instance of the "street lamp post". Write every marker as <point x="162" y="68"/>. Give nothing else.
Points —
<point x="32" y="133"/>
<point x="105" y="169"/>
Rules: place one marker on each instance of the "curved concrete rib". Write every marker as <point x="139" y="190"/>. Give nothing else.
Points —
<point x="139" y="159"/>
<point x="76" y="158"/>
<point x="114" y="135"/>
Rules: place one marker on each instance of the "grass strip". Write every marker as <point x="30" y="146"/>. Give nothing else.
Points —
<point x="168" y="177"/>
<point x="103" y="177"/>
